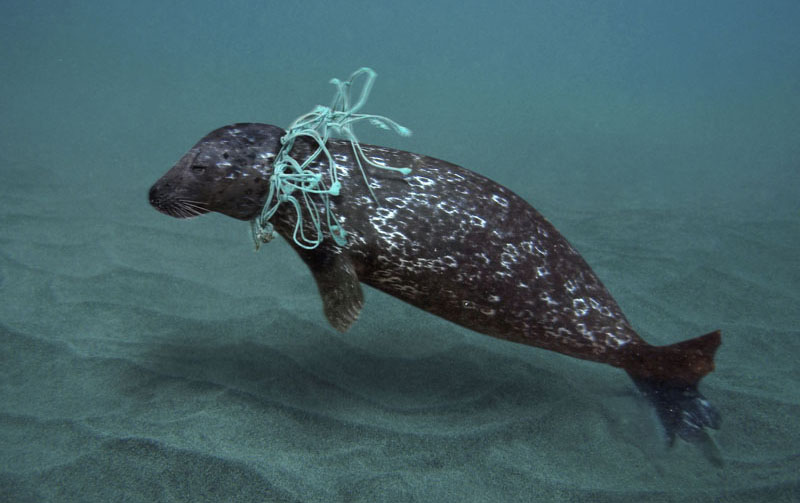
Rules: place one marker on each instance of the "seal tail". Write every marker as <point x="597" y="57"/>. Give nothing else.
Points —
<point x="669" y="375"/>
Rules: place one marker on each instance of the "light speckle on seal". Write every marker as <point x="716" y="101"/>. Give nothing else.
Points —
<point x="443" y="238"/>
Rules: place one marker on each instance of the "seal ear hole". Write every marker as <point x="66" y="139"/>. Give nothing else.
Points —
<point x="198" y="169"/>
<point x="225" y="155"/>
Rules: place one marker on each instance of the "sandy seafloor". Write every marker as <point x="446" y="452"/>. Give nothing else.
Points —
<point x="147" y="359"/>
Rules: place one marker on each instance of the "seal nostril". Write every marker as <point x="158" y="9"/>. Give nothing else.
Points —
<point x="152" y="196"/>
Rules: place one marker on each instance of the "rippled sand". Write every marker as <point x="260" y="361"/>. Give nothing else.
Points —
<point x="148" y="359"/>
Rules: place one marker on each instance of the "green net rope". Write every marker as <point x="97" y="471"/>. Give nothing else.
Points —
<point x="294" y="183"/>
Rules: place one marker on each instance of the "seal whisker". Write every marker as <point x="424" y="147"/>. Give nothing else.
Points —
<point x="189" y="211"/>
<point x="196" y="208"/>
<point x="185" y="211"/>
<point x="196" y="204"/>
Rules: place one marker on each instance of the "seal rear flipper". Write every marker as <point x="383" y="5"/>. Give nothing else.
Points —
<point x="338" y="286"/>
<point x="669" y="376"/>
<point x="682" y="409"/>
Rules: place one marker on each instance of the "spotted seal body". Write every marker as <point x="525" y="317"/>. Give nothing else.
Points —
<point x="453" y="243"/>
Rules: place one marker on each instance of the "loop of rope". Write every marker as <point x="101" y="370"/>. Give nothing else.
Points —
<point x="289" y="176"/>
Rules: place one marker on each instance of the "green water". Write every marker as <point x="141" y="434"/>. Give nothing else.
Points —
<point x="144" y="358"/>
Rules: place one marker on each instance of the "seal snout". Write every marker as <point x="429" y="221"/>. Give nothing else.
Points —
<point x="152" y="196"/>
<point x="157" y="199"/>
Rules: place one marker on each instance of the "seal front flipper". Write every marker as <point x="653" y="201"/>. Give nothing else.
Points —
<point x="668" y="377"/>
<point x="338" y="285"/>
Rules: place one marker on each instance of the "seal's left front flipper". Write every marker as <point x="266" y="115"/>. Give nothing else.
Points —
<point x="338" y="285"/>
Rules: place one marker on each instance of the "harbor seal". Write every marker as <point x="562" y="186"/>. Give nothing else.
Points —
<point x="453" y="243"/>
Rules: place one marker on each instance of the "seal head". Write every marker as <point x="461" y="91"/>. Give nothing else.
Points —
<point x="227" y="172"/>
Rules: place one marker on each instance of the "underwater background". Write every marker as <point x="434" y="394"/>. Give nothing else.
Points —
<point x="144" y="358"/>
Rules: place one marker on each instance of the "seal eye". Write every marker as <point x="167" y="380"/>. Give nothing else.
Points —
<point x="198" y="169"/>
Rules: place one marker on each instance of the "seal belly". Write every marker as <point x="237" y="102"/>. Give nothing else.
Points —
<point x="471" y="251"/>
<point x="465" y="248"/>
